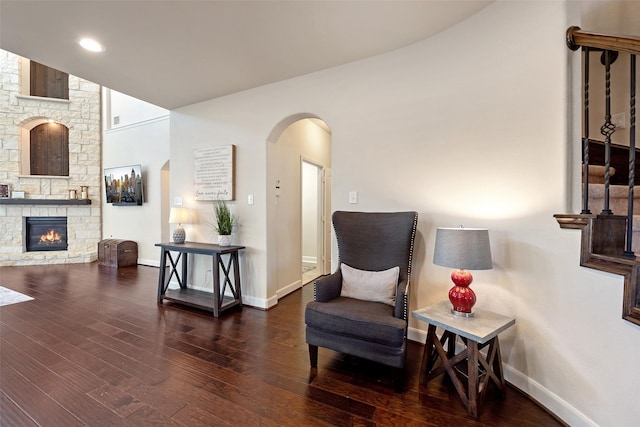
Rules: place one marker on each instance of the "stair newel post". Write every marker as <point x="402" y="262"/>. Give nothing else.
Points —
<point x="607" y="130"/>
<point x="632" y="155"/>
<point x="585" y="140"/>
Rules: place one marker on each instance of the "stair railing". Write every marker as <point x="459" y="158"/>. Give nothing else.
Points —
<point x="632" y="154"/>
<point x="611" y="45"/>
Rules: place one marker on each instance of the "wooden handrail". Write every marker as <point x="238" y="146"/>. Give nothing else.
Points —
<point x="577" y="38"/>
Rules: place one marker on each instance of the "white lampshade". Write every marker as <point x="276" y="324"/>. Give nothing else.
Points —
<point x="463" y="248"/>
<point x="179" y="216"/>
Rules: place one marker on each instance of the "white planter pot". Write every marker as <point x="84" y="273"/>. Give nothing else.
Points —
<point x="224" y="240"/>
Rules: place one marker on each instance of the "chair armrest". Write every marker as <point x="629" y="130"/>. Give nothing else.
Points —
<point x="326" y="288"/>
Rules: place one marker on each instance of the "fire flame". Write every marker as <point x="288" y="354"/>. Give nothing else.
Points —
<point x="50" y="238"/>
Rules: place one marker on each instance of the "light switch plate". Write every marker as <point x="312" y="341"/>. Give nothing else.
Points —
<point x="353" y="197"/>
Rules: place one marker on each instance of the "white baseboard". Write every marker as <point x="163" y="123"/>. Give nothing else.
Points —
<point x="417" y="335"/>
<point x="310" y="259"/>
<point x="260" y="303"/>
<point x="545" y="397"/>
<point x="266" y="304"/>
<point x="149" y="262"/>
<point x="294" y="286"/>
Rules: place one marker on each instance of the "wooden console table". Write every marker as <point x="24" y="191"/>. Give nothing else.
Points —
<point x="216" y="301"/>
<point x="469" y="370"/>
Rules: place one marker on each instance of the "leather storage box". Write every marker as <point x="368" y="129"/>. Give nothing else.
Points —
<point x="117" y="253"/>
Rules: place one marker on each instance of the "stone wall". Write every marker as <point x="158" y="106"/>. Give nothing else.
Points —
<point x="81" y="114"/>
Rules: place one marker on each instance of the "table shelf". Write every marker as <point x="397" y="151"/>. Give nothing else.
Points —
<point x="199" y="299"/>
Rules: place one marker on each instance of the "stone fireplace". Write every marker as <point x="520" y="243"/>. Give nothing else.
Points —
<point x="48" y="196"/>
<point x="27" y="221"/>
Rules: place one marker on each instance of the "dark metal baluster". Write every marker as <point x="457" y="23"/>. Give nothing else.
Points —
<point x="585" y="140"/>
<point x="632" y="156"/>
<point x="607" y="130"/>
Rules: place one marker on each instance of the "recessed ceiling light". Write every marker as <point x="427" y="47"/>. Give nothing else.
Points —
<point x="91" y="45"/>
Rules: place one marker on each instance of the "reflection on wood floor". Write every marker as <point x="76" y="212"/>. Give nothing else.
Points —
<point x="94" y="348"/>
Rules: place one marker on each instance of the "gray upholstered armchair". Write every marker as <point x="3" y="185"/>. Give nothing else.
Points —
<point x="352" y="312"/>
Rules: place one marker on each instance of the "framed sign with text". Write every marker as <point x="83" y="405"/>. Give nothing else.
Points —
<point x="214" y="173"/>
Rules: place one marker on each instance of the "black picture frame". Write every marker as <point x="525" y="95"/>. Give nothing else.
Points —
<point x="124" y="185"/>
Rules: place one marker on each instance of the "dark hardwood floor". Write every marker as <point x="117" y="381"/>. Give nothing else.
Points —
<point x="94" y="348"/>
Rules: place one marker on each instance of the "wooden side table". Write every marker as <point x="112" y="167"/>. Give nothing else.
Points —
<point x="469" y="365"/>
<point x="216" y="301"/>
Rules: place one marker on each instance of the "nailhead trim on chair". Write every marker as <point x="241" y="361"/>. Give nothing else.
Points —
<point x="413" y="236"/>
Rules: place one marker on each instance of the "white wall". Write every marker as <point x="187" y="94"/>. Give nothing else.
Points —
<point x="474" y="126"/>
<point x="128" y="111"/>
<point x="145" y="141"/>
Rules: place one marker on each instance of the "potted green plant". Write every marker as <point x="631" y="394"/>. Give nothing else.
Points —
<point x="224" y="223"/>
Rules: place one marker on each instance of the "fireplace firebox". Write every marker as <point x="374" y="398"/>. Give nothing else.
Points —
<point x="45" y="233"/>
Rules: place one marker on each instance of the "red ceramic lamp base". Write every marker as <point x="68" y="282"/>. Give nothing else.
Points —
<point x="461" y="296"/>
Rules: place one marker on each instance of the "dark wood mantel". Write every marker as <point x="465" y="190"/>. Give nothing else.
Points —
<point x="55" y="202"/>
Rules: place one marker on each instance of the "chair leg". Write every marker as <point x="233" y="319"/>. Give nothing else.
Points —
<point x="398" y="380"/>
<point x="313" y="355"/>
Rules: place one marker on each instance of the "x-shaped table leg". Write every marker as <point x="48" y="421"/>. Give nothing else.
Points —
<point x="471" y="393"/>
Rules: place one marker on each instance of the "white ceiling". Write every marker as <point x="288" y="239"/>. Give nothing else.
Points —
<point x="176" y="53"/>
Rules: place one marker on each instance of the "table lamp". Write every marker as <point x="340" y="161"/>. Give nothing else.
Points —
<point x="179" y="216"/>
<point x="463" y="249"/>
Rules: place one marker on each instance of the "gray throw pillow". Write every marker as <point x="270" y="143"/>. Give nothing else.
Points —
<point x="377" y="286"/>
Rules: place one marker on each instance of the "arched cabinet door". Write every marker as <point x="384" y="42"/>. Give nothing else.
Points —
<point x="49" y="150"/>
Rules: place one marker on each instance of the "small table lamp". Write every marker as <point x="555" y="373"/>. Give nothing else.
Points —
<point x="179" y="216"/>
<point x="463" y="249"/>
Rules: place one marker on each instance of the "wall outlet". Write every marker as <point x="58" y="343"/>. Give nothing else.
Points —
<point x="177" y="201"/>
<point x="250" y="199"/>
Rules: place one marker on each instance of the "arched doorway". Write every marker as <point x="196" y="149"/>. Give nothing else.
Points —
<point x="296" y="141"/>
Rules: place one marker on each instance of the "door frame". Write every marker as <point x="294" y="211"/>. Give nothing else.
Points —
<point x="322" y="206"/>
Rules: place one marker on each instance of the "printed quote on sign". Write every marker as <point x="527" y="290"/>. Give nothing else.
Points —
<point x="214" y="173"/>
